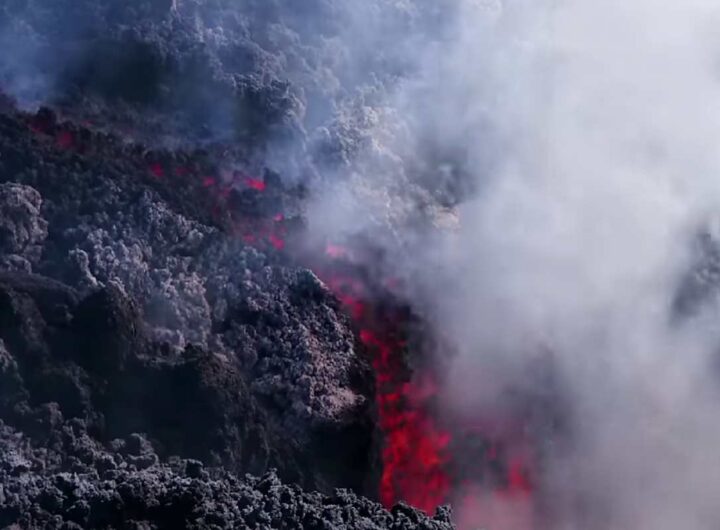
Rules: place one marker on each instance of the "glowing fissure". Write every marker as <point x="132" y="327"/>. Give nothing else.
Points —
<point x="414" y="452"/>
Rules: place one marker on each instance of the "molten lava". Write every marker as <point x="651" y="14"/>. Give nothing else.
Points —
<point x="65" y="140"/>
<point x="157" y="170"/>
<point x="414" y="454"/>
<point x="255" y="184"/>
<point x="417" y="455"/>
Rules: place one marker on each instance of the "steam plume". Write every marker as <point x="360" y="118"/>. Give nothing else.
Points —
<point x="588" y="130"/>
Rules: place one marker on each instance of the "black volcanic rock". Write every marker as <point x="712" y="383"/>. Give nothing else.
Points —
<point x="93" y="358"/>
<point x="107" y="327"/>
<point x="127" y="488"/>
<point x="22" y="228"/>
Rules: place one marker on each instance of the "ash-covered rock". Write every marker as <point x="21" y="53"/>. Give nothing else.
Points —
<point x="303" y="89"/>
<point x="71" y="407"/>
<point x="112" y="222"/>
<point x="147" y="319"/>
<point x="22" y="227"/>
<point x="80" y="380"/>
<point x="258" y="71"/>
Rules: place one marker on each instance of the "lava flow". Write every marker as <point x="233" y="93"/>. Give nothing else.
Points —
<point x="424" y="461"/>
<point x="418" y="452"/>
<point x="414" y="454"/>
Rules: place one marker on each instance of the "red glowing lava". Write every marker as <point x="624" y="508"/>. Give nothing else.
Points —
<point x="336" y="251"/>
<point x="65" y="140"/>
<point x="518" y="480"/>
<point x="255" y="184"/>
<point x="414" y="454"/>
<point x="260" y="234"/>
<point x="157" y="170"/>
<point x="276" y="241"/>
<point x="417" y="456"/>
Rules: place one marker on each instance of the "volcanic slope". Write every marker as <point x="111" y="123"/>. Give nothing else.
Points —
<point x="156" y="340"/>
<point x="141" y="343"/>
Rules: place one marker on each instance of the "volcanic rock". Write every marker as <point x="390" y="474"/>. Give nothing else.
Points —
<point x="141" y="319"/>
<point x="102" y="489"/>
<point x="156" y="342"/>
<point x="22" y="228"/>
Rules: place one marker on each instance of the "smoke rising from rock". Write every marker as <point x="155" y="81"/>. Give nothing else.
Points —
<point x="587" y="133"/>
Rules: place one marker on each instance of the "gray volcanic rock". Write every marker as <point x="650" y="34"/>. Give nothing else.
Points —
<point x="116" y="229"/>
<point x="701" y="284"/>
<point x="268" y="374"/>
<point x="22" y="227"/>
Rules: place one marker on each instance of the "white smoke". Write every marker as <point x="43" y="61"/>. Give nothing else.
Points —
<point x="607" y="115"/>
<point x="591" y="131"/>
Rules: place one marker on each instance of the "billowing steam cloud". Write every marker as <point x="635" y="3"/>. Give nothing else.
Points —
<point x="588" y="131"/>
